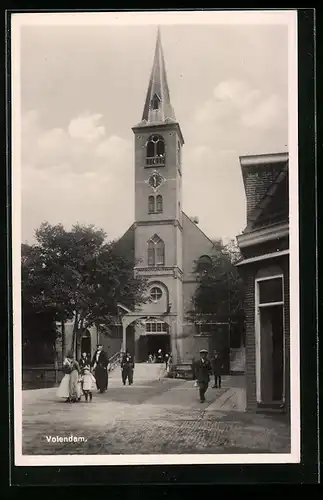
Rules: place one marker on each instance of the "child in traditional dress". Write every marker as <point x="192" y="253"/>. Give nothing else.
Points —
<point x="88" y="383"/>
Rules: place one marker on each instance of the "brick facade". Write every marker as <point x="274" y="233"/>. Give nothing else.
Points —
<point x="265" y="246"/>
<point x="249" y="274"/>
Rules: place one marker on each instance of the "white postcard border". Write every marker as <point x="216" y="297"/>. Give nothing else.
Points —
<point x="285" y="17"/>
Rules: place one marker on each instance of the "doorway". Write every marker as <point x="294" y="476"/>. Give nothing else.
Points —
<point x="150" y="343"/>
<point x="156" y="342"/>
<point x="272" y="353"/>
<point x="86" y="345"/>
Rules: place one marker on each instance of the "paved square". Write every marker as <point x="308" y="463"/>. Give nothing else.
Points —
<point x="162" y="416"/>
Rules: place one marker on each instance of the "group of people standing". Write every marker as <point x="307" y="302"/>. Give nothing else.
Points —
<point x="204" y="369"/>
<point x="160" y="357"/>
<point x="83" y="376"/>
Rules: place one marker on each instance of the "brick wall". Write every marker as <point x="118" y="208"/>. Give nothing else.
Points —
<point x="250" y="340"/>
<point x="257" y="180"/>
<point x="248" y="274"/>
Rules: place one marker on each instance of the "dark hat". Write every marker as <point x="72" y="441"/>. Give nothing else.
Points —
<point x="203" y="350"/>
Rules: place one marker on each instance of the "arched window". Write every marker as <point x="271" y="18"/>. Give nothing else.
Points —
<point x="159" y="203"/>
<point x="155" y="152"/>
<point x="151" y="204"/>
<point x="204" y="264"/>
<point x="156" y="251"/>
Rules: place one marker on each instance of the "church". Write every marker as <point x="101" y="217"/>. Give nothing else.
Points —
<point x="165" y="241"/>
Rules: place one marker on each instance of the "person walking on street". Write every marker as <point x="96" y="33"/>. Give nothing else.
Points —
<point x="127" y="368"/>
<point x="203" y="371"/>
<point x="99" y="365"/>
<point x="217" y="366"/>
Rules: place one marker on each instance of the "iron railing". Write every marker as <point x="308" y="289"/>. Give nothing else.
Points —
<point x="155" y="160"/>
<point x="114" y="361"/>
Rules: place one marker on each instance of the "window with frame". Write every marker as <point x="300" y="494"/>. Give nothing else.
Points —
<point x="159" y="204"/>
<point x="155" y="326"/>
<point x="151" y="204"/>
<point x="270" y="291"/>
<point x="156" y="293"/>
<point x="155" y="151"/>
<point x="156" y="251"/>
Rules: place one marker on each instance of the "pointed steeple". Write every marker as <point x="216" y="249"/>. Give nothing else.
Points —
<point x="158" y="108"/>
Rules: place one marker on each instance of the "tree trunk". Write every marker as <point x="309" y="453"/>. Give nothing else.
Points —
<point x="75" y="328"/>
<point x="55" y="363"/>
<point x="63" y="340"/>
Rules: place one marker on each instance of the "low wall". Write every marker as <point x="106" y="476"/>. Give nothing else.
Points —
<point x="38" y="377"/>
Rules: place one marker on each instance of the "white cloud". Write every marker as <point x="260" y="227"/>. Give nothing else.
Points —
<point x="73" y="179"/>
<point x="86" y="127"/>
<point x="237" y="101"/>
<point x="266" y="115"/>
<point x="242" y="119"/>
<point x="113" y="148"/>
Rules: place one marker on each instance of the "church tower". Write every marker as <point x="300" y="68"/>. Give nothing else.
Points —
<point x="158" y="214"/>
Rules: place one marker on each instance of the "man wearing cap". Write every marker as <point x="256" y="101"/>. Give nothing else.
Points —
<point x="203" y="371"/>
<point x="99" y="365"/>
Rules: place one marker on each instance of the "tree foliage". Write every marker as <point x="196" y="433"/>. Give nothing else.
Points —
<point x="77" y="274"/>
<point x="220" y="291"/>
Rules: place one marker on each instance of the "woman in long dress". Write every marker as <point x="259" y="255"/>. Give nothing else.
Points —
<point x="63" y="389"/>
<point x="75" y="389"/>
<point x="70" y="386"/>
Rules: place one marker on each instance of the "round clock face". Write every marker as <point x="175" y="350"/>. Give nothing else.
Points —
<point x="155" y="180"/>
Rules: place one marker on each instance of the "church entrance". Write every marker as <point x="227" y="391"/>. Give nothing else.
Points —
<point x="150" y="344"/>
<point x="85" y="344"/>
<point x="156" y="342"/>
<point x="156" y="337"/>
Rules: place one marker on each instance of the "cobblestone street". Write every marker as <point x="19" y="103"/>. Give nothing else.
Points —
<point x="154" y="416"/>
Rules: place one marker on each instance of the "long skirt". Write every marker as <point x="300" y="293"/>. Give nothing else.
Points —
<point x="101" y="377"/>
<point x="63" y="390"/>
<point x="75" y="389"/>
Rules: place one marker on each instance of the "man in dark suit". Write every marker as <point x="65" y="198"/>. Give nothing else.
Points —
<point x="127" y="368"/>
<point x="203" y="370"/>
<point x="217" y="368"/>
<point x="99" y="365"/>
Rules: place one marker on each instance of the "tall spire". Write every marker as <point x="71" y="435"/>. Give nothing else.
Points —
<point x="158" y="107"/>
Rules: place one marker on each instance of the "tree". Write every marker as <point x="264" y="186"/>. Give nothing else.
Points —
<point x="78" y="274"/>
<point x="220" y="291"/>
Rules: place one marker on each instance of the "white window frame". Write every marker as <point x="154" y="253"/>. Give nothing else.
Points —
<point x="162" y="331"/>
<point x="258" y="308"/>
<point x="161" y="294"/>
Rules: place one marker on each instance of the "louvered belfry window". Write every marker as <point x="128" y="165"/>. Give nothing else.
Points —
<point x="155" y="151"/>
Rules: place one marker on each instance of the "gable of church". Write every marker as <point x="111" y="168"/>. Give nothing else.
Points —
<point x="195" y="245"/>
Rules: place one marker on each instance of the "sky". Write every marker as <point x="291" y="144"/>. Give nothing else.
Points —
<point x="83" y="88"/>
